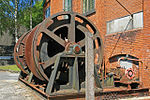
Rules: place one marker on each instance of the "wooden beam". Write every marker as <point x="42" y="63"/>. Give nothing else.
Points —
<point x="90" y="95"/>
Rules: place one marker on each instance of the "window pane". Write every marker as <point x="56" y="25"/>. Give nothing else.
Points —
<point x="125" y="64"/>
<point x="119" y="25"/>
<point x="65" y="4"/>
<point x="68" y="5"/>
<point x="138" y="20"/>
<point x="84" y="6"/>
<point x="88" y="5"/>
<point x="47" y="12"/>
<point x="91" y="4"/>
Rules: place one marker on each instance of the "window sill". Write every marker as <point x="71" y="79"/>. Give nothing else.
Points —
<point x="113" y="34"/>
<point x="88" y="13"/>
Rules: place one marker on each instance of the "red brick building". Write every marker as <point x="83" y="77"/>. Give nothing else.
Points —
<point x="124" y="26"/>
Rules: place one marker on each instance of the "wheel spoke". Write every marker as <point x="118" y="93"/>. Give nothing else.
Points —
<point x="49" y="62"/>
<point x="53" y="36"/>
<point x="82" y="43"/>
<point x="82" y="28"/>
<point x="71" y="31"/>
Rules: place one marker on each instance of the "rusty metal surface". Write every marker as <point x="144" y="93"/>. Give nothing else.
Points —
<point x="65" y="33"/>
<point x="106" y="94"/>
<point x="19" y="52"/>
<point x="29" y="54"/>
<point x="48" y="27"/>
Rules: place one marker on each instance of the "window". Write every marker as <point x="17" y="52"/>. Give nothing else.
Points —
<point x="125" y="61"/>
<point x="88" y="6"/>
<point x="126" y="64"/>
<point x="125" y="23"/>
<point x="67" y="5"/>
<point x="47" y="12"/>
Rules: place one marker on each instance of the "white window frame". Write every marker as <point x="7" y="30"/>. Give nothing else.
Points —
<point x="125" y="23"/>
<point x="67" y="5"/>
<point x="88" y="6"/>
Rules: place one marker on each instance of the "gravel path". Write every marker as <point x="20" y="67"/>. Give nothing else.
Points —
<point x="11" y="89"/>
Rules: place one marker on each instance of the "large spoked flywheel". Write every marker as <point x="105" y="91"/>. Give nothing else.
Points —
<point x="53" y="36"/>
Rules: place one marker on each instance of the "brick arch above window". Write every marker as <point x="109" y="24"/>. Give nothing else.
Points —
<point x="116" y="57"/>
<point x="124" y="61"/>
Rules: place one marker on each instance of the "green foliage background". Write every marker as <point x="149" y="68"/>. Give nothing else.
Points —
<point x="37" y="15"/>
<point x="6" y="17"/>
<point x="7" y="10"/>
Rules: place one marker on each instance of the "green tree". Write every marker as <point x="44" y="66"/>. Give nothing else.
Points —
<point x="7" y="14"/>
<point x="6" y="17"/>
<point x="37" y="15"/>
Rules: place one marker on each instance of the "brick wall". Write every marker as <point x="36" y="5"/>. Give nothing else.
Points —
<point x="55" y="6"/>
<point x="115" y="10"/>
<point x="135" y="42"/>
<point x="145" y="42"/>
<point x="128" y="42"/>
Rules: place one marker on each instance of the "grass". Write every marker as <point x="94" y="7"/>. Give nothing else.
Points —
<point x="10" y="67"/>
